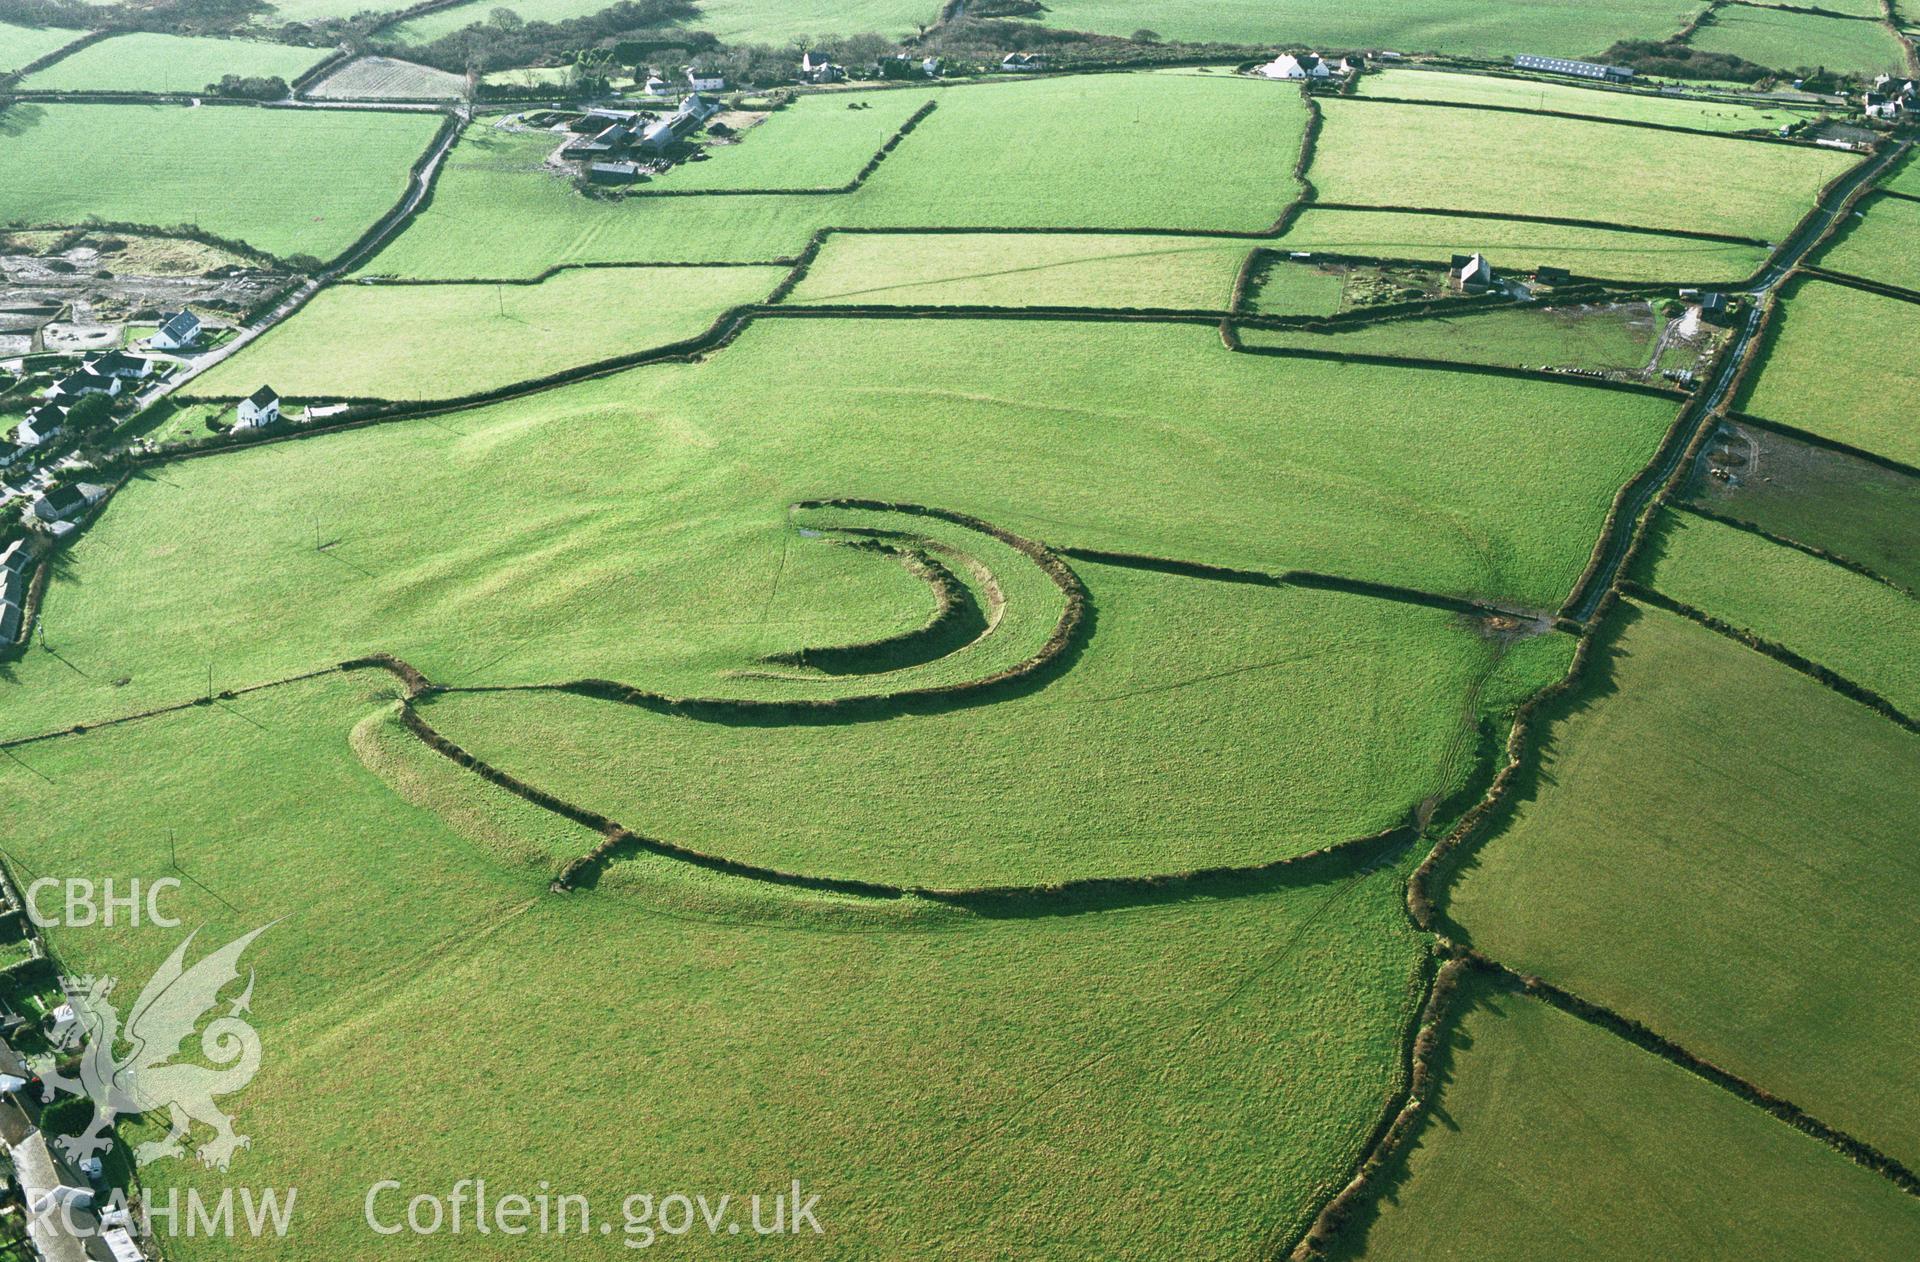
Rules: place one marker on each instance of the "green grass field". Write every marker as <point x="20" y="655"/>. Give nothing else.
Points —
<point x="819" y="141"/>
<point x="1839" y="365"/>
<point x="1906" y="179"/>
<point x="1014" y="270"/>
<point x="989" y="156"/>
<point x="1567" y="28"/>
<point x="1772" y="816"/>
<point x="1794" y="41"/>
<point x="1250" y="1040"/>
<point x="1882" y="245"/>
<point x="1608" y="255"/>
<point x="1208" y="725"/>
<point x="442" y="341"/>
<point x="22" y="44"/>
<point x="243" y="173"/>
<point x="1824" y="499"/>
<point x="1571" y="98"/>
<point x="1612" y="338"/>
<point x="1860" y="629"/>
<point x="649" y="545"/>
<point x="146" y="62"/>
<point x="775" y="22"/>
<point x="1387" y="154"/>
<point x="1539" y="1147"/>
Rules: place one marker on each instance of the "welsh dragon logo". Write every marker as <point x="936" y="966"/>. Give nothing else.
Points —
<point x="150" y="1076"/>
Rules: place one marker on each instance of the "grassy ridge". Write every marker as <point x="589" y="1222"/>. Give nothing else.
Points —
<point x="1572" y="98"/>
<point x="1207" y="725"/>
<point x="633" y="527"/>
<point x="1822" y="327"/>
<point x="1251" y="1040"/>
<point x="1404" y="155"/>
<point x="1773" y="816"/>
<point x="1621" y="256"/>
<point x="1858" y="628"/>
<point x="440" y="341"/>
<point x="143" y="61"/>
<point x="1538" y="1148"/>
<point x="238" y="173"/>
<point x="1882" y="245"/>
<point x="1012" y="270"/>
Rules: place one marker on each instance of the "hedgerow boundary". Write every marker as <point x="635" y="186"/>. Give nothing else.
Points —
<point x="1812" y="439"/>
<point x="1758" y="531"/>
<point x="956" y="623"/>
<point x="1589" y="118"/>
<point x="85" y="40"/>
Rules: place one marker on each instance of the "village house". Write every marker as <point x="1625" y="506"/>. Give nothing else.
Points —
<point x="119" y="364"/>
<point x="706" y="80"/>
<point x="902" y="66"/>
<point x="63" y="504"/>
<point x="1472" y="274"/>
<point x="656" y="86"/>
<point x="1296" y="66"/>
<point x="178" y="330"/>
<point x="12" y="450"/>
<point x="815" y="68"/>
<point x="260" y="408"/>
<point x="1021" y="62"/>
<point x="42" y="424"/>
<point x="15" y="561"/>
<point x="83" y="381"/>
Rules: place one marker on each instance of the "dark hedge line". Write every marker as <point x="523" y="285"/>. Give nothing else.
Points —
<point x="955" y="623"/>
<point x="1777" y="651"/>
<point x="1590" y="118"/>
<point x="182" y="231"/>
<point x="320" y="69"/>
<point x="47" y="59"/>
<point x="1454" y="365"/>
<point x="1812" y="439"/>
<point x="852" y="185"/>
<point x="1559" y="220"/>
<point x="1848" y="280"/>
<point x="409" y="205"/>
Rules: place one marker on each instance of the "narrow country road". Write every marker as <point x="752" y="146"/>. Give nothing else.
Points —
<point x="1702" y="408"/>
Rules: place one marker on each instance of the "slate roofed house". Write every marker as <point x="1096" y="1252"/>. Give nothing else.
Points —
<point x="178" y="329"/>
<point x="677" y="126"/>
<point x="14" y="562"/>
<point x="1473" y="274"/>
<point x="120" y="364"/>
<point x="262" y="407"/>
<point x="85" y="381"/>
<point x="64" y="503"/>
<point x="12" y="450"/>
<point x="706" y="80"/>
<point x="1905" y="90"/>
<point x="815" y="68"/>
<point x="1880" y="105"/>
<point x="656" y="86"/>
<point x="1296" y="66"/>
<point x="42" y="423"/>
<point x="932" y="67"/>
<point x="1574" y="69"/>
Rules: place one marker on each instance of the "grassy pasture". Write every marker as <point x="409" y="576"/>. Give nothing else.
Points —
<point x="428" y="27"/>
<point x="1774" y="818"/>
<point x="1906" y="179"/>
<point x="1572" y="98"/>
<point x="1794" y="41"/>
<point x="143" y="61"/>
<point x="245" y="173"/>
<point x="1396" y="155"/>
<point x="384" y="78"/>
<point x="633" y="527"/>
<point x="1208" y="724"/>
<point x="441" y="341"/>
<point x="1569" y="28"/>
<point x="1615" y="338"/>
<point x="819" y="141"/>
<point x="1553" y="1138"/>
<point x="498" y="211"/>
<point x="779" y="22"/>
<point x="1825" y="499"/>
<point x="1852" y="625"/>
<point x="1251" y="1040"/>
<point x="1619" y="256"/>
<point x="1882" y="245"/>
<point x="1840" y="365"/>
<point x="22" y="44"/>
<point x="1012" y="270"/>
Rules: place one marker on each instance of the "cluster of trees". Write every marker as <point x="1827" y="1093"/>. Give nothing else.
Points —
<point x="1674" y="60"/>
<point x="271" y="88"/>
<point x="504" y="40"/>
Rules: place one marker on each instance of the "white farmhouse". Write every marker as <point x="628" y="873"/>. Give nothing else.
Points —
<point x="1290" y="66"/>
<point x="178" y="329"/>
<point x="706" y="80"/>
<point x="262" y="407"/>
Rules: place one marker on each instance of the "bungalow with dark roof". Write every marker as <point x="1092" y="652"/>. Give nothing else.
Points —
<point x="64" y="503"/>
<point x="262" y="407"/>
<point x="84" y="381"/>
<point x="42" y="423"/>
<point x="815" y="68"/>
<point x="120" y="364"/>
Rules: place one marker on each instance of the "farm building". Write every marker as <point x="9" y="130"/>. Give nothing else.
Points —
<point x="1576" y="69"/>
<point x="614" y="172"/>
<point x="178" y="329"/>
<point x="1296" y="66"/>
<point x="817" y="69"/>
<point x="1551" y="275"/>
<point x="706" y="80"/>
<point x="683" y="122"/>
<point x="1014" y="62"/>
<point x="902" y="66"/>
<point x="656" y="86"/>
<point x="262" y="407"/>
<point x="1472" y="273"/>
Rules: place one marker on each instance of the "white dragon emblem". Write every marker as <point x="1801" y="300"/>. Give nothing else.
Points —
<point x="147" y="1079"/>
